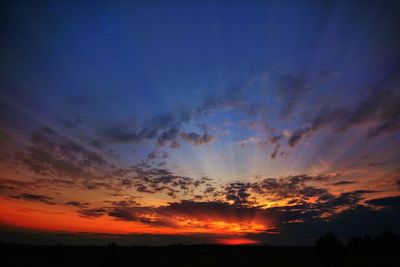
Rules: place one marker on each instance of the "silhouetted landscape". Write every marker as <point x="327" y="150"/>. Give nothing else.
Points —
<point x="382" y="250"/>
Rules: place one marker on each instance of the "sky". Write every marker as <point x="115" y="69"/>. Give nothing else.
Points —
<point x="223" y="122"/>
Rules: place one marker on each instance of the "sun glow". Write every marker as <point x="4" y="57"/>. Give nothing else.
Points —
<point x="236" y="241"/>
<point x="222" y="227"/>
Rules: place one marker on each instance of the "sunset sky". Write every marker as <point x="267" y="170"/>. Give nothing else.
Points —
<point x="227" y="122"/>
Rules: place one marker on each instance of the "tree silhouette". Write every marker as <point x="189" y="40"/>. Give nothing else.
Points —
<point x="330" y="250"/>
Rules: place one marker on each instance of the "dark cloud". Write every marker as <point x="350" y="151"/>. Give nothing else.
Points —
<point x="275" y="152"/>
<point x="197" y="139"/>
<point x="166" y="128"/>
<point x="233" y="101"/>
<point x="54" y="182"/>
<point x="163" y="127"/>
<point x="168" y="138"/>
<point x="294" y="88"/>
<point x="155" y="180"/>
<point x="291" y="88"/>
<point x="11" y="184"/>
<point x="387" y="202"/>
<point x="77" y="204"/>
<point x="34" y="197"/>
<point x="11" y="187"/>
<point x="324" y="208"/>
<point x="346" y="199"/>
<point x="292" y="186"/>
<point x="50" y="154"/>
<point x="156" y="154"/>
<point x="297" y="135"/>
<point x="91" y="185"/>
<point x="343" y="183"/>
<point x="152" y="155"/>
<point x="271" y="136"/>
<point x="4" y="136"/>
<point x="209" y="189"/>
<point x="214" y="209"/>
<point x="54" y="154"/>
<point x="6" y="188"/>
<point x="125" y="133"/>
<point x="375" y="164"/>
<point x="74" y="121"/>
<point x="380" y="108"/>
<point x="173" y="214"/>
<point x="138" y="214"/>
<point x="92" y="213"/>
<point x="238" y="193"/>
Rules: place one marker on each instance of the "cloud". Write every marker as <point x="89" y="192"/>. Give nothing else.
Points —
<point x="168" y="138"/>
<point x="238" y="193"/>
<point x="92" y="213"/>
<point x="379" y="111"/>
<point x="211" y="215"/>
<point x="142" y="215"/>
<point x="232" y="101"/>
<point x="195" y="216"/>
<point x="387" y="202"/>
<point x="325" y="207"/>
<point x="294" y="88"/>
<point x="197" y="139"/>
<point x="292" y="186"/>
<point x="165" y="128"/>
<point x="10" y="184"/>
<point x="50" y="154"/>
<point x="4" y="136"/>
<point x="343" y="183"/>
<point x="77" y="204"/>
<point x="156" y="154"/>
<point x="156" y="180"/>
<point x="54" y="154"/>
<point x="270" y="136"/>
<point x="298" y="134"/>
<point x="291" y="88"/>
<point x="151" y="155"/>
<point x="128" y="133"/>
<point x="348" y="199"/>
<point x="275" y="151"/>
<point x="33" y="197"/>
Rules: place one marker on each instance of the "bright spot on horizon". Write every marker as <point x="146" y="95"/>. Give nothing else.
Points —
<point x="236" y="241"/>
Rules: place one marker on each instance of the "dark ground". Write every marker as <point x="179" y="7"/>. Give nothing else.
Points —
<point x="381" y="251"/>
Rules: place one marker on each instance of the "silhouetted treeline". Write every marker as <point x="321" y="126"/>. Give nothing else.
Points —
<point x="383" y="250"/>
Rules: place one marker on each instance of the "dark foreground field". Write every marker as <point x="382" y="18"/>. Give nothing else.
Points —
<point x="383" y="251"/>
